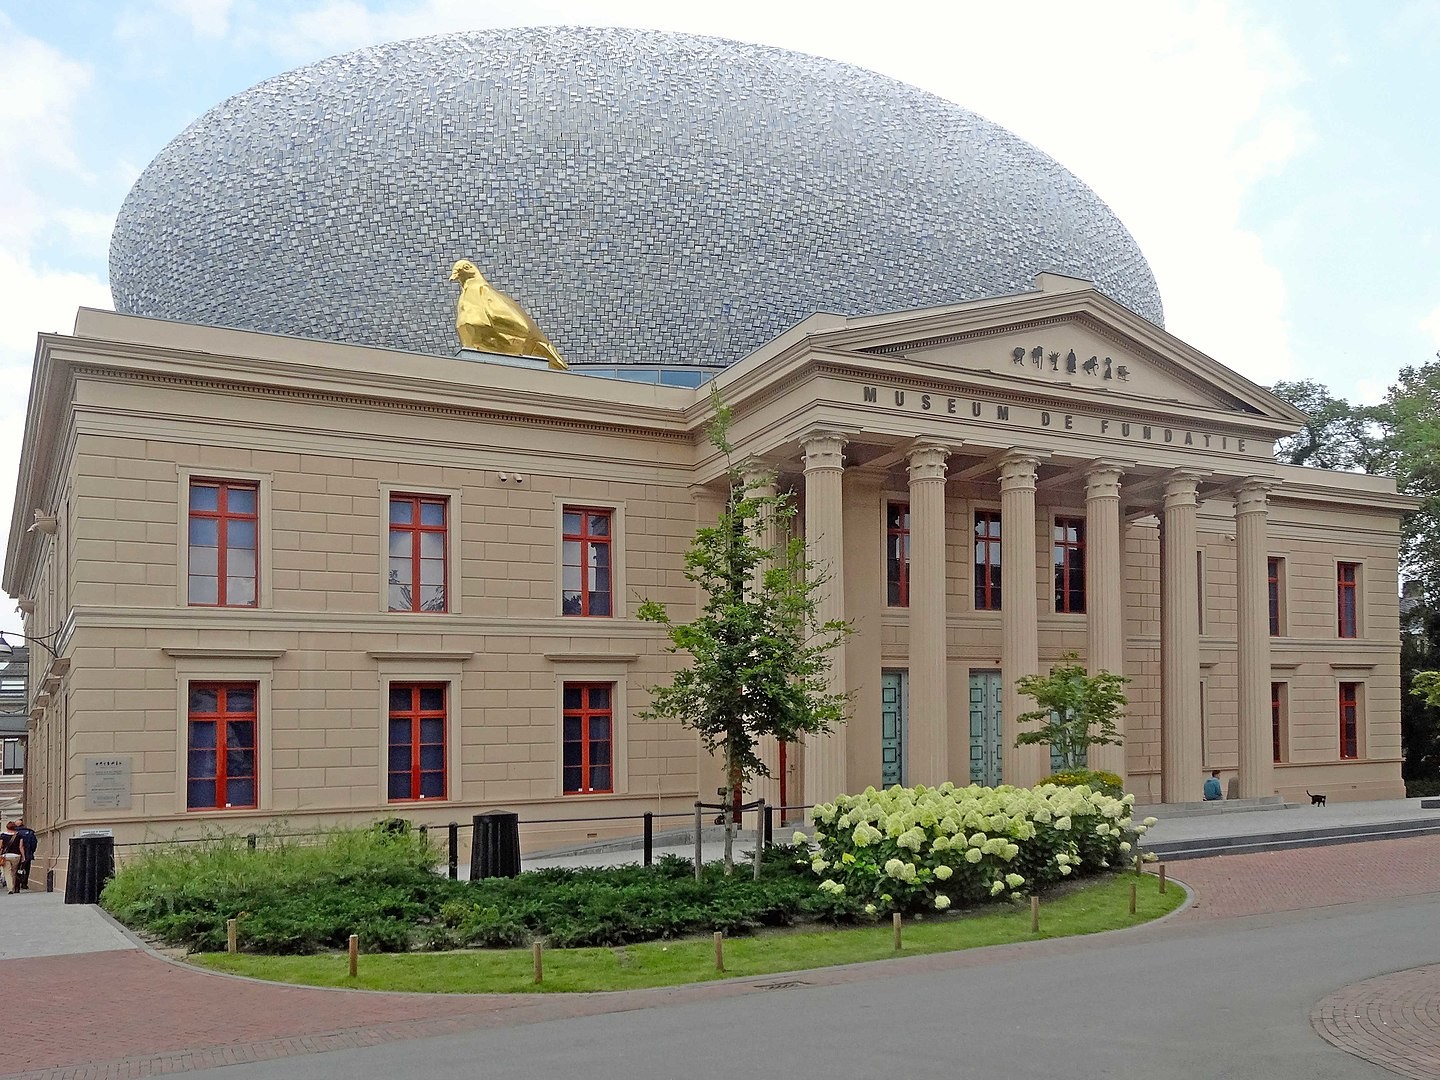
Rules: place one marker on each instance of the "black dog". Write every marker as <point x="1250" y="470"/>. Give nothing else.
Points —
<point x="1315" y="800"/>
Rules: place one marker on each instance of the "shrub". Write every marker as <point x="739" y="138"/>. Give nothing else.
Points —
<point x="1106" y="783"/>
<point x="915" y="849"/>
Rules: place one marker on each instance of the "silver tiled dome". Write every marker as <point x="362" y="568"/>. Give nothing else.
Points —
<point x="648" y="197"/>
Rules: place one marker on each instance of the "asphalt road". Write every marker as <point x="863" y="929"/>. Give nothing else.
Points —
<point x="1212" y="1000"/>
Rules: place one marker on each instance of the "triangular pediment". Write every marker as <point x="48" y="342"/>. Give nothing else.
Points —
<point x="1075" y="344"/>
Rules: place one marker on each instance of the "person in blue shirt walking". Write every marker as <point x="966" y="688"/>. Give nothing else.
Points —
<point x="1212" y="786"/>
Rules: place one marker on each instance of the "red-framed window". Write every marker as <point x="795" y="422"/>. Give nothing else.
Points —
<point x="1273" y="572"/>
<point x="1349" y="720"/>
<point x="897" y="554"/>
<point x="417" y="741"/>
<point x="987" y="560"/>
<point x="1069" y="557"/>
<point x="419" y="526"/>
<point x="587" y="761"/>
<point x="220" y="770"/>
<point x="1347" y="580"/>
<point x="586" y="585"/>
<point x="1277" y="721"/>
<point x="224" y="564"/>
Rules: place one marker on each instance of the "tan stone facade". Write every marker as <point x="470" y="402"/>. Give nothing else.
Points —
<point x="1150" y="463"/>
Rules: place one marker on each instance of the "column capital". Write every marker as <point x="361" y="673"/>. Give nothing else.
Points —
<point x="757" y="473"/>
<point x="927" y="461"/>
<point x="1253" y="495"/>
<point x="1017" y="471"/>
<point x="1183" y="489"/>
<point x="823" y="450"/>
<point x="1102" y="480"/>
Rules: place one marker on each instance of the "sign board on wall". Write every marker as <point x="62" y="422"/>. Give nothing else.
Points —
<point x="107" y="783"/>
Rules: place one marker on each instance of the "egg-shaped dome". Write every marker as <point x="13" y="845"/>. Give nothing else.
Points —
<point x="648" y="197"/>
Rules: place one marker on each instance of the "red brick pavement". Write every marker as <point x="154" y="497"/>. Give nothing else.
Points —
<point x="127" y="1014"/>
<point x="1393" y="1021"/>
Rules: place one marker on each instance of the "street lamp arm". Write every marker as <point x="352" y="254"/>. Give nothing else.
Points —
<point x="44" y="641"/>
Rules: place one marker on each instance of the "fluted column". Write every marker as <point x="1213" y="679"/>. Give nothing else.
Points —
<point x="1023" y="766"/>
<point x="1104" y="591"/>
<point x="824" y="459"/>
<point x="1181" y="755"/>
<point x="759" y="481"/>
<point x="929" y="747"/>
<point x="1252" y="619"/>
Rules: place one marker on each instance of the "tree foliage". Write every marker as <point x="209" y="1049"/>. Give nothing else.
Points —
<point x="1077" y="710"/>
<point x="1337" y="435"/>
<point x="760" y="656"/>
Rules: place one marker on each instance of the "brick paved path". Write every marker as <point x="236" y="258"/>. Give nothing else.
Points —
<point x="127" y="1014"/>
<point x="1393" y="1021"/>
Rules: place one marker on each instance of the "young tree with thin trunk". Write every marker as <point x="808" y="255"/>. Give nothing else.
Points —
<point x="759" y="654"/>
<point x="1077" y="710"/>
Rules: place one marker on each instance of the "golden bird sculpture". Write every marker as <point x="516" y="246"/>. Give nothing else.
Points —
<point x="489" y="321"/>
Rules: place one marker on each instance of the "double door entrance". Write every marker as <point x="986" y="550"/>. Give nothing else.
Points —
<point x="985" y="739"/>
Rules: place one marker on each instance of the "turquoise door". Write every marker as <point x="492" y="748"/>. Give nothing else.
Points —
<point x="985" y="728"/>
<point x="893" y="704"/>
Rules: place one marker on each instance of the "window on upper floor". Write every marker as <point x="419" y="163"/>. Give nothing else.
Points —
<point x="223" y="549"/>
<point x="220" y="768"/>
<point x="586" y="564"/>
<point x="987" y="560"/>
<point x="12" y="757"/>
<point x="897" y="554"/>
<point x="1275" y="569"/>
<point x="418" y="574"/>
<point x="1347" y="599"/>
<point x="1069" y="559"/>
<point x="587" y="750"/>
<point x="416" y="764"/>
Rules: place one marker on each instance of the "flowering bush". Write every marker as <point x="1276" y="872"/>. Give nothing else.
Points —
<point x="916" y="849"/>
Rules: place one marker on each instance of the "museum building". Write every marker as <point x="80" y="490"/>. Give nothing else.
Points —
<point x="329" y="571"/>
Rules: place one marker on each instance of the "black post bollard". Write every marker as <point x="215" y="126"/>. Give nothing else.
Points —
<point x="250" y="841"/>
<point x="769" y="825"/>
<point x="649" y="836"/>
<point x="425" y="833"/>
<point x="454" y="850"/>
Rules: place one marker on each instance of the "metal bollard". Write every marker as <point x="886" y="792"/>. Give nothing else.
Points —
<point x="769" y="825"/>
<point x="699" y="824"/>
<point x="250" y="841"/>
<point x="454" y="850"/>
<point x="649" y="837"/>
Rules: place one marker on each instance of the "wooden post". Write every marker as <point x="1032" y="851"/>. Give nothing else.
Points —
<point x="232" y="936"/>
<point x="1132" y="898"/>
<point x="1034" y="914"/>
<point x="719" y="951"/>
<point x="1162" y="877"/>
<point x="537" y="950"/>
<point x="354" y="955"/>
<point x="896" y="921"/>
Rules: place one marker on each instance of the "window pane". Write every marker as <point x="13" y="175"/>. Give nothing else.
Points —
<point x="599" y="753"/>
<point x="572" y="754"/>
<point x="240" y="733"/>
<point x="432" y="598"/>
<point x="432" y="513"/>
<point x="239" y="765"/>
<point x="573" y="699"/>
<point x="432" y="545"/>
<point x="432" y="572"/>
<point x="400" y="598"/>
<point x="599" y="524"/>
<point x="402" y="512"/>
<point x="399" y="699"/>
<point x="600" y="778"/>
<point x="200" y="794"/>
<point x="432" y="757"/>
<point x="240" y="534"/>
<point x="599" y="728"/>
<point x="570" y="578"/>
<point x="572" y="523"/>
<point x="600" y="579"/>
<point x="572" y="725"/>
<point x="600" y="603"/>
<point x="432" y="785"/>
<point x="399" y="760"/>
<point x="204" y="561"/>
<point x="572" y="778"/>
<point x="201" y="763"/>
<point x="399" y="787"/>
<point x="240" y="592"/>
<point x="600" y="697"/>
<point x="203" y="590"/>
<point x="240" y="792"/>
<point x="570" y="603"/>
<point x="204" y="532"/>
<point x="432" y="697"/>
<point x="203" y="699"/>
<point x="432" y="731"/>
<point x="400" y="732"/>
<point x="240" y="699"/>
<point x="240" y="500"/>
<point x="401" y="545"/>
<point x="240" y="563"/>
<point x="204" y="497"/>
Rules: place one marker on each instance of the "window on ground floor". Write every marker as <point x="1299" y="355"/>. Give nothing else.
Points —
<point x="417" y="741"/>
<point x="587" y="762"/>
<point x="221" y="759"/>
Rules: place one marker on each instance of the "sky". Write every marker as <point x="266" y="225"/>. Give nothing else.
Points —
<point x="1277" y="160"/>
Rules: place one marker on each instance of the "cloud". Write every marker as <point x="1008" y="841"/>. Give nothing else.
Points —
<point x="1431" y="325"/>
<point x="207" y="18"/>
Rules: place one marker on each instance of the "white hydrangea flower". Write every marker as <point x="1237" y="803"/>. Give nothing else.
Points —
<point x="1149" y="821"/>
<point x="997" y="887"/>
<point x="819" y="865"/>
<point x="1124" y="846"/>
<point x="1064" y="870"/>
<point x="893" y="867"/>
<point x="869" y="909"/>
<point x="943" y="872"/>
<point x="1063" y="823"/>
<point x="830" y="886"/>
<point x="1102" y="829"/>
<point x="1014" y="880"/>
<point x="973" y="855"/>
<point x="941" y="903"/>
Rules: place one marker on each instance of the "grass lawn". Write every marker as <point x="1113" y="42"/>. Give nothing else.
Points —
<point x="1086" y="909"/>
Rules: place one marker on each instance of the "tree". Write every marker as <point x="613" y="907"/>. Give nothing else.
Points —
<point x="1077" y="710"/>
<point x="1410" y="421"/>
<point x="1337" y="435"/>
<point x="759" y="653"/>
